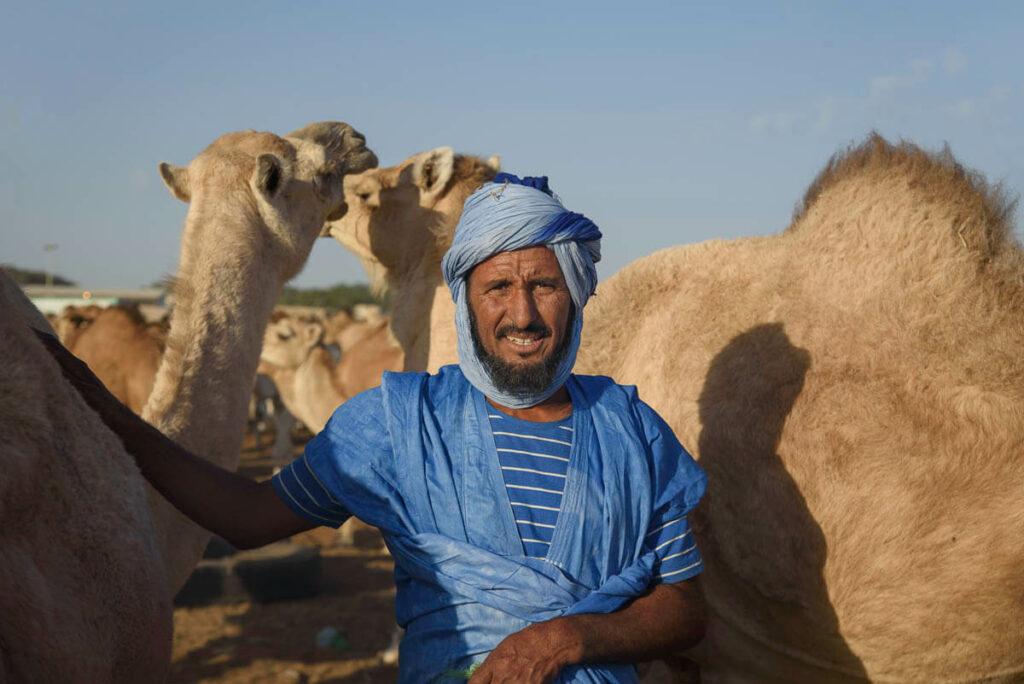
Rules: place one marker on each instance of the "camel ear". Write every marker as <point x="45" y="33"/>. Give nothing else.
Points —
<point x="432" y="171"/>
<point x="268" y="175"/>
<point x="176" y="180"/>
<point x="314" y="332"/>
<point x="494" y="161"/>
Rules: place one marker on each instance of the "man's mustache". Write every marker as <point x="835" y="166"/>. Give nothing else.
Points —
<point x="535" y="328"/>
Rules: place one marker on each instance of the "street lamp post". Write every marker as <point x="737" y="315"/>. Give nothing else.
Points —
<point x="49" y="248"/>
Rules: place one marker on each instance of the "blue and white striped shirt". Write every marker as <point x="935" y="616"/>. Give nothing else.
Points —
<point x="534" y="459"/>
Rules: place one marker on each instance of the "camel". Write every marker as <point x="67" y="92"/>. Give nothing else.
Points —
<point x="311" y="383"/>
<point x="89" y="557"/>
<point x="302" y="369"/>
<point x="853" y="388"/>
<point x="72" y="322"/>
<point x="347" y="333"/>
<point x="362" y="365"/>
<point x="335" y="325"/>
<point x="123" y="351"/>
<point x="401" y="223"/>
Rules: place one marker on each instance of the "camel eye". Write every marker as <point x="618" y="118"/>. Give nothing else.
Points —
<point x="363" y="196"/>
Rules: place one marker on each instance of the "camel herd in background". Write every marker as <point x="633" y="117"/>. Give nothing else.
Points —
<point x="310" y="363"/>
<point x="853" y="387"/>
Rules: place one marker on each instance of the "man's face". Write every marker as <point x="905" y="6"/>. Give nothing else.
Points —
<point x="520" y="308"/>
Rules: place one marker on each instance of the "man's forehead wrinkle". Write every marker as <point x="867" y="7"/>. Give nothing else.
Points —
<point x="525" y="264"/>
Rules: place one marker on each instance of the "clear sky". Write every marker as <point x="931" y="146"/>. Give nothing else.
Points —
<point x="665" y="122"/>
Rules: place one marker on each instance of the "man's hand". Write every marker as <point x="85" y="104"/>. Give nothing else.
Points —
<point x="534" y="655"/>
<point x="666" y="620"/>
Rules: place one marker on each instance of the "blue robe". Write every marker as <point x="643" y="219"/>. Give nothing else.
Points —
<point x="415" y="459"/>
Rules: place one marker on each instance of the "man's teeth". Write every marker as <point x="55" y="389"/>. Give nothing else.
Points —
<point x="522" y="341"/>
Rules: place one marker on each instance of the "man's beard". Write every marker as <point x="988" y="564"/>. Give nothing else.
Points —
<point x="518" y="379"/>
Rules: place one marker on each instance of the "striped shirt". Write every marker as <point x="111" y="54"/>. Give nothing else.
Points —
<point x="534" y="460"/>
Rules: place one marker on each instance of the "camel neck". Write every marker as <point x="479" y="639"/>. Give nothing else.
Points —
<point x="413" y="296"/>
<point x="202" y="389"/>
<point x="316" y="389"/>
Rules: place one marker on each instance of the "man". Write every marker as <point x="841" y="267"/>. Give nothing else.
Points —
<point x="537" y="518"/>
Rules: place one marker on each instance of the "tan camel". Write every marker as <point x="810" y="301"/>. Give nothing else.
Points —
<point x="854" y="388"/>
<point x="345" y="330"/>
<point x="399" y="225"/>
<point x="302" y="369"/>
<point x="311" y="383"/>
<point x="123" y="351"/>
<point x="335" y="324"/>
<point x="87" y="566"/>
<point x="72" y="322"/>
<point x="362" y="365"/>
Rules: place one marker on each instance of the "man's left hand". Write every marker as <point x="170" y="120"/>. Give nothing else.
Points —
<point x="534" y="655"/>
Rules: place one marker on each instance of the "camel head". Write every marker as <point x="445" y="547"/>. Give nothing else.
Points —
<point x="401" y="215"/>
<point x="72" y="321"/>
<point x="335" y="324"/>
<point x="288" y="341"/>
<point x="266" y="196"/>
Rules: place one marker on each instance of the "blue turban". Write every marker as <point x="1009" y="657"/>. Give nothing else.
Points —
<point x="507" y="214"/>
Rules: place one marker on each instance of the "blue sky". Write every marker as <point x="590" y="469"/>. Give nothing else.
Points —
<point x="666" y="123"/>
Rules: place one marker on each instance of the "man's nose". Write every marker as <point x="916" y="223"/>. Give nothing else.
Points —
<point x="522" y="308"/>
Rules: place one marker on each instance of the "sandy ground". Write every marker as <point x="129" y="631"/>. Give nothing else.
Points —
<point x="236" y="640"/>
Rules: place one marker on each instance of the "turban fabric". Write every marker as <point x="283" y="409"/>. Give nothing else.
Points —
<point x="513" y="213"/>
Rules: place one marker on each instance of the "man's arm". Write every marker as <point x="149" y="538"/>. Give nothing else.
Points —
<point x="244" y="512"/>
<point x="660" y="623"/>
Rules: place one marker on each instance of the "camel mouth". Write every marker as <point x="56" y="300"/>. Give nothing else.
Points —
<point x="342" y="143"/>
<point x="360" y="159"/>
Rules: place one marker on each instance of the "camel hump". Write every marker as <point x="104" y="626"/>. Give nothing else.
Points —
<point x="878" y="186"/>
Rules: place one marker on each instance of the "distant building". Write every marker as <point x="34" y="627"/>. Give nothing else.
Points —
<point x="52" y="300"/>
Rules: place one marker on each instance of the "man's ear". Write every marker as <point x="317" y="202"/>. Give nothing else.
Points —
<point x="494" y="161"/>
<point x="176" y="180"/>
<point x="268" y="176"/>
<point x="433" y="170"/>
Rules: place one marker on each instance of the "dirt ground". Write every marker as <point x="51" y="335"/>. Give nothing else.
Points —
<point x="237" y="640"/>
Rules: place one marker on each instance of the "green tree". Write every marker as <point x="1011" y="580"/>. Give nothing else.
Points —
<point x="25" y="276"/>
<point x="340" y="296"/>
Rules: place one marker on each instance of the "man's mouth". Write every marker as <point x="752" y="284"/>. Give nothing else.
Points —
<point x="524" y="342"/>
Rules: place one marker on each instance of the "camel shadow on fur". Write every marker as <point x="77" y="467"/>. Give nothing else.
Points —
<point x="774" y="576"/>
